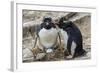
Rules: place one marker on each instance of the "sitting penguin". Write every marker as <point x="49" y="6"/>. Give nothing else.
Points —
<point x="72" y="38"/>
<point x="47" y="36"/>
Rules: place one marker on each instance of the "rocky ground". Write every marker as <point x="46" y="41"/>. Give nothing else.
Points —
<point x="31" y="19"/>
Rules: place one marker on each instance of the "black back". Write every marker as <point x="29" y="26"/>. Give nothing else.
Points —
<point x="74" y="34"/>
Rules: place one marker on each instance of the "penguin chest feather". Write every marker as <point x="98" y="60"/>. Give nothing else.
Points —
<point x="64" y="37"/>
<point x="48" y="37"/>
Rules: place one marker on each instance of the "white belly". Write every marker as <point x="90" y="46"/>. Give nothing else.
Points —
<point x="48" y="37"/>
<point x="64" y="37"/>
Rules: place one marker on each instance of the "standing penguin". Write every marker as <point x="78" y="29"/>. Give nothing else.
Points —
<point x="48" y="35"/>
<point x="72" y="38"/>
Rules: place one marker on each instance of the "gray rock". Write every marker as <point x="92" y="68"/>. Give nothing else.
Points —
<point x="28" y="56"/>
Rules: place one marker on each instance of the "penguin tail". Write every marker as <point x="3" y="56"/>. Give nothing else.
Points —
<point x="80" y="53"/>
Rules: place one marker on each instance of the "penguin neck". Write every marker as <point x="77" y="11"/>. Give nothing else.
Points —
<point x="48" y="29"/>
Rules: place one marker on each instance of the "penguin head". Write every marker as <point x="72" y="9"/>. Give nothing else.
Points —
<point x="47" y="23"/>
<point x="63" y="23"/>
